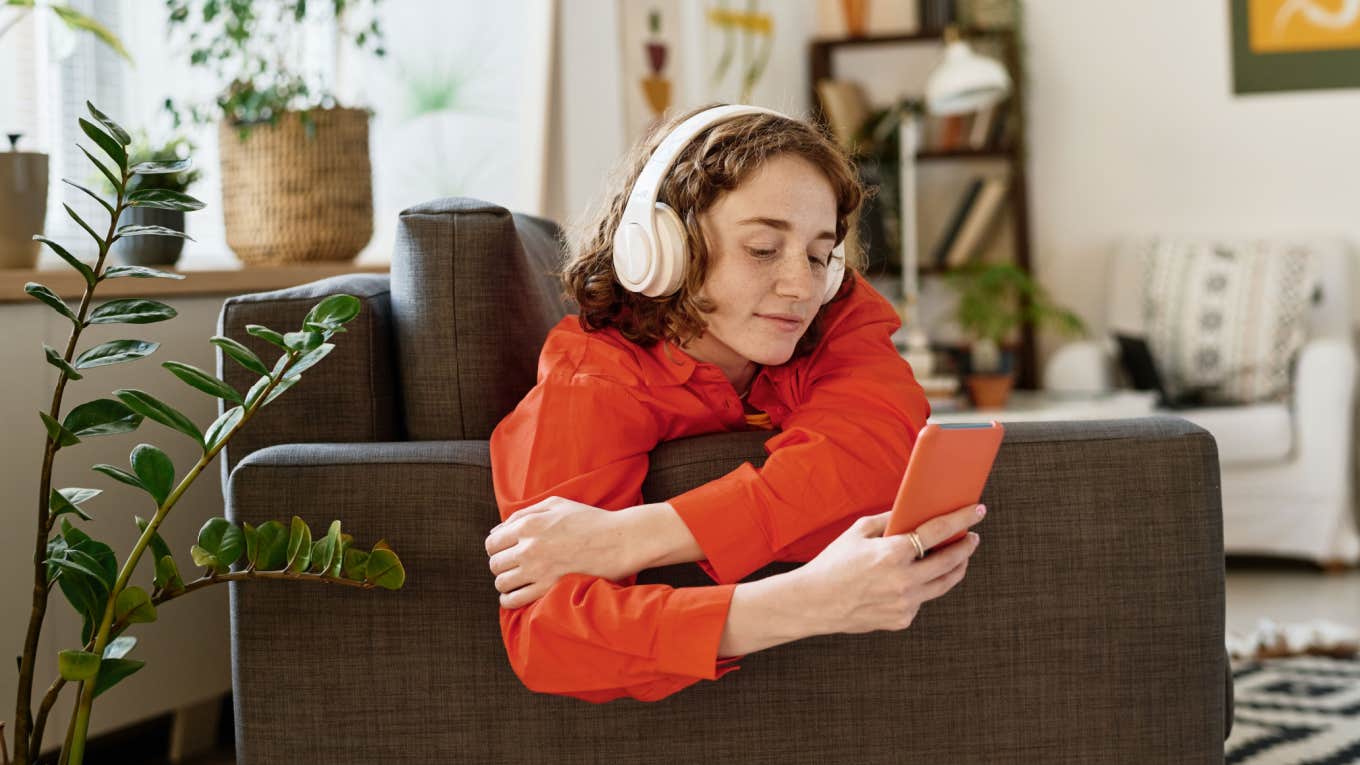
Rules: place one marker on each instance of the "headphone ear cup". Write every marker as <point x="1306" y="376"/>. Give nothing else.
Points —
<point x="672" y="256"/>
<point x="835" y="273"/>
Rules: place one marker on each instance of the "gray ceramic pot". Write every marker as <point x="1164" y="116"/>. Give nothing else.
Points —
<point x="23" y="206"/>
<point x="149" y="250"/>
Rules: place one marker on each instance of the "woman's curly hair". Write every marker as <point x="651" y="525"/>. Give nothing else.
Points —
<point x="718" y="160"/>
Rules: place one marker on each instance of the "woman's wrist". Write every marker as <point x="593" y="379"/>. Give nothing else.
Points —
<point x="769" y="612"/>
<point x="658" y="537"/>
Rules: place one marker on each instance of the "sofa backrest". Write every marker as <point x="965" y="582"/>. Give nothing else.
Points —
<point x="1333" y="269"/>
<point x="473" y="297"/>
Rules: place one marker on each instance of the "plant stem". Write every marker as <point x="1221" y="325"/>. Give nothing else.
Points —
<point x="25" y="749"/>
<point x="48" y="701"/>
<point x="81" y="719"/>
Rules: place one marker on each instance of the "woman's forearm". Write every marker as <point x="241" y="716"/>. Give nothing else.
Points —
<point x="659" y="537"/>
<point x="769" y="612"/>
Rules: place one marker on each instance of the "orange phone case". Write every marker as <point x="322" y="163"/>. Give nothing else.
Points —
<point x="947" y="470"/>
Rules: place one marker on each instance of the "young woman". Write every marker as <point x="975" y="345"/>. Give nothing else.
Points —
<point x="759" y="332"/>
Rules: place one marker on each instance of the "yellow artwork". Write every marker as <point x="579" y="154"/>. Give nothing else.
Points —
<point x="741" y="28"/>
<point x="1291" y="26"/>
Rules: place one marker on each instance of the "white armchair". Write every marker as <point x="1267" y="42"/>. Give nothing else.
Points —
<point x="1287" y="469"/>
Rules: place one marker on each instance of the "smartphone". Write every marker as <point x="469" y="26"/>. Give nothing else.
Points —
<point x="947" y="470"/>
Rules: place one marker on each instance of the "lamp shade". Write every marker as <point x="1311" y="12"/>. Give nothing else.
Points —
<point x="964" y="82"/>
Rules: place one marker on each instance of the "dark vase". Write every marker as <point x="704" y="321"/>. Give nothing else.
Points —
<point x="149" y="250"/>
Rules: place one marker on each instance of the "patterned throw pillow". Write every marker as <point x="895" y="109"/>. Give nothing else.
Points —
<point x="1227" y="317"/>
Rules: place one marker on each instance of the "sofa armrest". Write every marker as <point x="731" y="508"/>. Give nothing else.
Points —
<point x="1089" y="627"/>
<point x="1323" y="402"/>
<point x="350" y="396"/>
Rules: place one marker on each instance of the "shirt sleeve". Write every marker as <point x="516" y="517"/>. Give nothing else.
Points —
<point x="841" y="453"/>
<point x="588" y="440"/>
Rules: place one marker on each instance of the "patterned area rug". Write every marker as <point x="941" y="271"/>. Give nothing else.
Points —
<point x="1295" y="709"/>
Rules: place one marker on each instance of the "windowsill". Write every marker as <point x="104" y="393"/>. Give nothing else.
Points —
<point x="224" y="275"/>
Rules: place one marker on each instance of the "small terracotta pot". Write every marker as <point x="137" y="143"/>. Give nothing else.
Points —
<point x="990" y="391"/>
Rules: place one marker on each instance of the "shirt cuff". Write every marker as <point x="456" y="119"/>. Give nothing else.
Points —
<point x="691" y="630"/>
<point x="721" y="516"/>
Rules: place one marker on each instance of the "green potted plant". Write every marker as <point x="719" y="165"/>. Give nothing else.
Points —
<point x="994" y="300"/>
<point x="296" y="178"/>
<point x="23" y="174"/>
<point x="112" y="596"/>
<point x="163" y="250"/>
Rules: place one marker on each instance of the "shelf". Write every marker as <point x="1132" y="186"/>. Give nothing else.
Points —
<point x="930" y="156"/>
<point x="924" y="36"/>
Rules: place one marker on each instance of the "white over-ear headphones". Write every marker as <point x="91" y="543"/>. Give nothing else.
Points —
<point x="650" y="255"/>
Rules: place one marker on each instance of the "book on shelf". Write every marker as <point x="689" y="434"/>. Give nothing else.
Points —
<point x="977" y="223"/>
<point x="951" y="229"/>
<point x="980" y="131"/>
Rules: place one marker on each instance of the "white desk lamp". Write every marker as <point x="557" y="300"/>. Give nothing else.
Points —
<point x="961" y="82"/>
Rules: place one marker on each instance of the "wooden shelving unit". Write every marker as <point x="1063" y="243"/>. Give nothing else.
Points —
<point x="821" y="66"/>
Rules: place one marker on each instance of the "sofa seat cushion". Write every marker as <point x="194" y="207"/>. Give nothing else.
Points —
<point x="1251" y="433"/>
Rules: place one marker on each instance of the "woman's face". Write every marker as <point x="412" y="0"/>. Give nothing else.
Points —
<point x="768" y="241"/>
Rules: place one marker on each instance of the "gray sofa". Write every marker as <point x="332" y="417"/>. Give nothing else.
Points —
<point x="1089" y="627"/>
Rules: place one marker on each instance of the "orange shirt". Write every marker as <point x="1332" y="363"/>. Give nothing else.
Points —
<point x="848" y="416"/>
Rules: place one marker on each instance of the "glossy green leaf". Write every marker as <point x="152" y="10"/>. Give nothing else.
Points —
<point x="355" y="565"/>
<point x="55" y="359"/>
<point x="333" y="311"/>
<point x="119" y="134"/>
<point x="59" y="435"/>
<point x="280" y="389"/>
<point x="137" y="272"/>
<point x="108" y="143"/>
<point x="107" y="207"/>
<point x="267" y="334"/>
<point x="164" y="199"/>
<point x="325" y="549"/>
<point x="299" y="545"/>
<point x="131" y="311"/>
<point x="223" y="540"/>
<point x="118" y="474"/>
<point x="112" y="176"/>
<point x="112" y="671"/>
<point x="197" y="378"/>
<point x="272" y="546"/>
<point x="252" y="540"/>
<point x="384" y="568"/>
<point x="222" y="427"/>
<point x="256" y="391"/>
<point x="62" y="501"/>
<point x="205" y="559"/>
<point x="303" y="341"/>
<point x="134" y="606"/>
<point x="114" y="352"/>
<point x="101" y="417"/>
<point x="119" y="647"/>
<point x="308" y="360"/>
<point x="75" y="216"/>
<point x="154" y="469"/>
<point x="240" y="354"/>
<point x="46" y="295"/>
<point x="163" y="168"/>
<point x="77" y="665"/>
<point x="167" y="574"/>
<point x="149" y="230"/>
<point x="85" y="270"/>
<point x="151" y="407"/>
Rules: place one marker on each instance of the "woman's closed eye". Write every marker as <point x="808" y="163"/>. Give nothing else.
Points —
<point x="767" y="254"/>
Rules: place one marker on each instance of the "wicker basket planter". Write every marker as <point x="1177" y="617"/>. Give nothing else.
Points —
<point x="287" y="198"/>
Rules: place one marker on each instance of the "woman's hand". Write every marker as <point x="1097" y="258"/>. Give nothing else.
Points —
<point x="536" y="545"/>
<point x="864" y="581"/>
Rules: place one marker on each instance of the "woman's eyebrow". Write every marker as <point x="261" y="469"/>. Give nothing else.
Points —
<point x="780" y="224"/>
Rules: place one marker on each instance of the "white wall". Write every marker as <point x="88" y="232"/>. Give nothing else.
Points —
<point x="1134" y="129"/>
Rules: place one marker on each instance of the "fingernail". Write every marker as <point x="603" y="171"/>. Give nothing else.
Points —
<point x="981" y="510"/>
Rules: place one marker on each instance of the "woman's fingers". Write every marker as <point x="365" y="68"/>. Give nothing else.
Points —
<point x="523" y="596"/>
<point x="937" y="530"/>
<point x="508" y="581"/>
<point x="504" y="560"/>
<point x="942" y="584"/>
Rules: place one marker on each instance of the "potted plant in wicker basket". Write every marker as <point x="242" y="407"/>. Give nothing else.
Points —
<point x="296" y="180"/>
<point x="995" y="299"/>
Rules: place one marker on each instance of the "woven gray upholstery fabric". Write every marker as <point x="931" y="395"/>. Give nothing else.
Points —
<point x="350" y="396"/>
<point x="473" y="296"/>
<point x="1089" y="627"/>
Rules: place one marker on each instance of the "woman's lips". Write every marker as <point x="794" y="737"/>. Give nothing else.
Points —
<point x="787" y="325"/>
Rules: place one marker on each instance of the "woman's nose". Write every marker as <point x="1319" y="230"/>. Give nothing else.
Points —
<point x="796" y="278"/>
